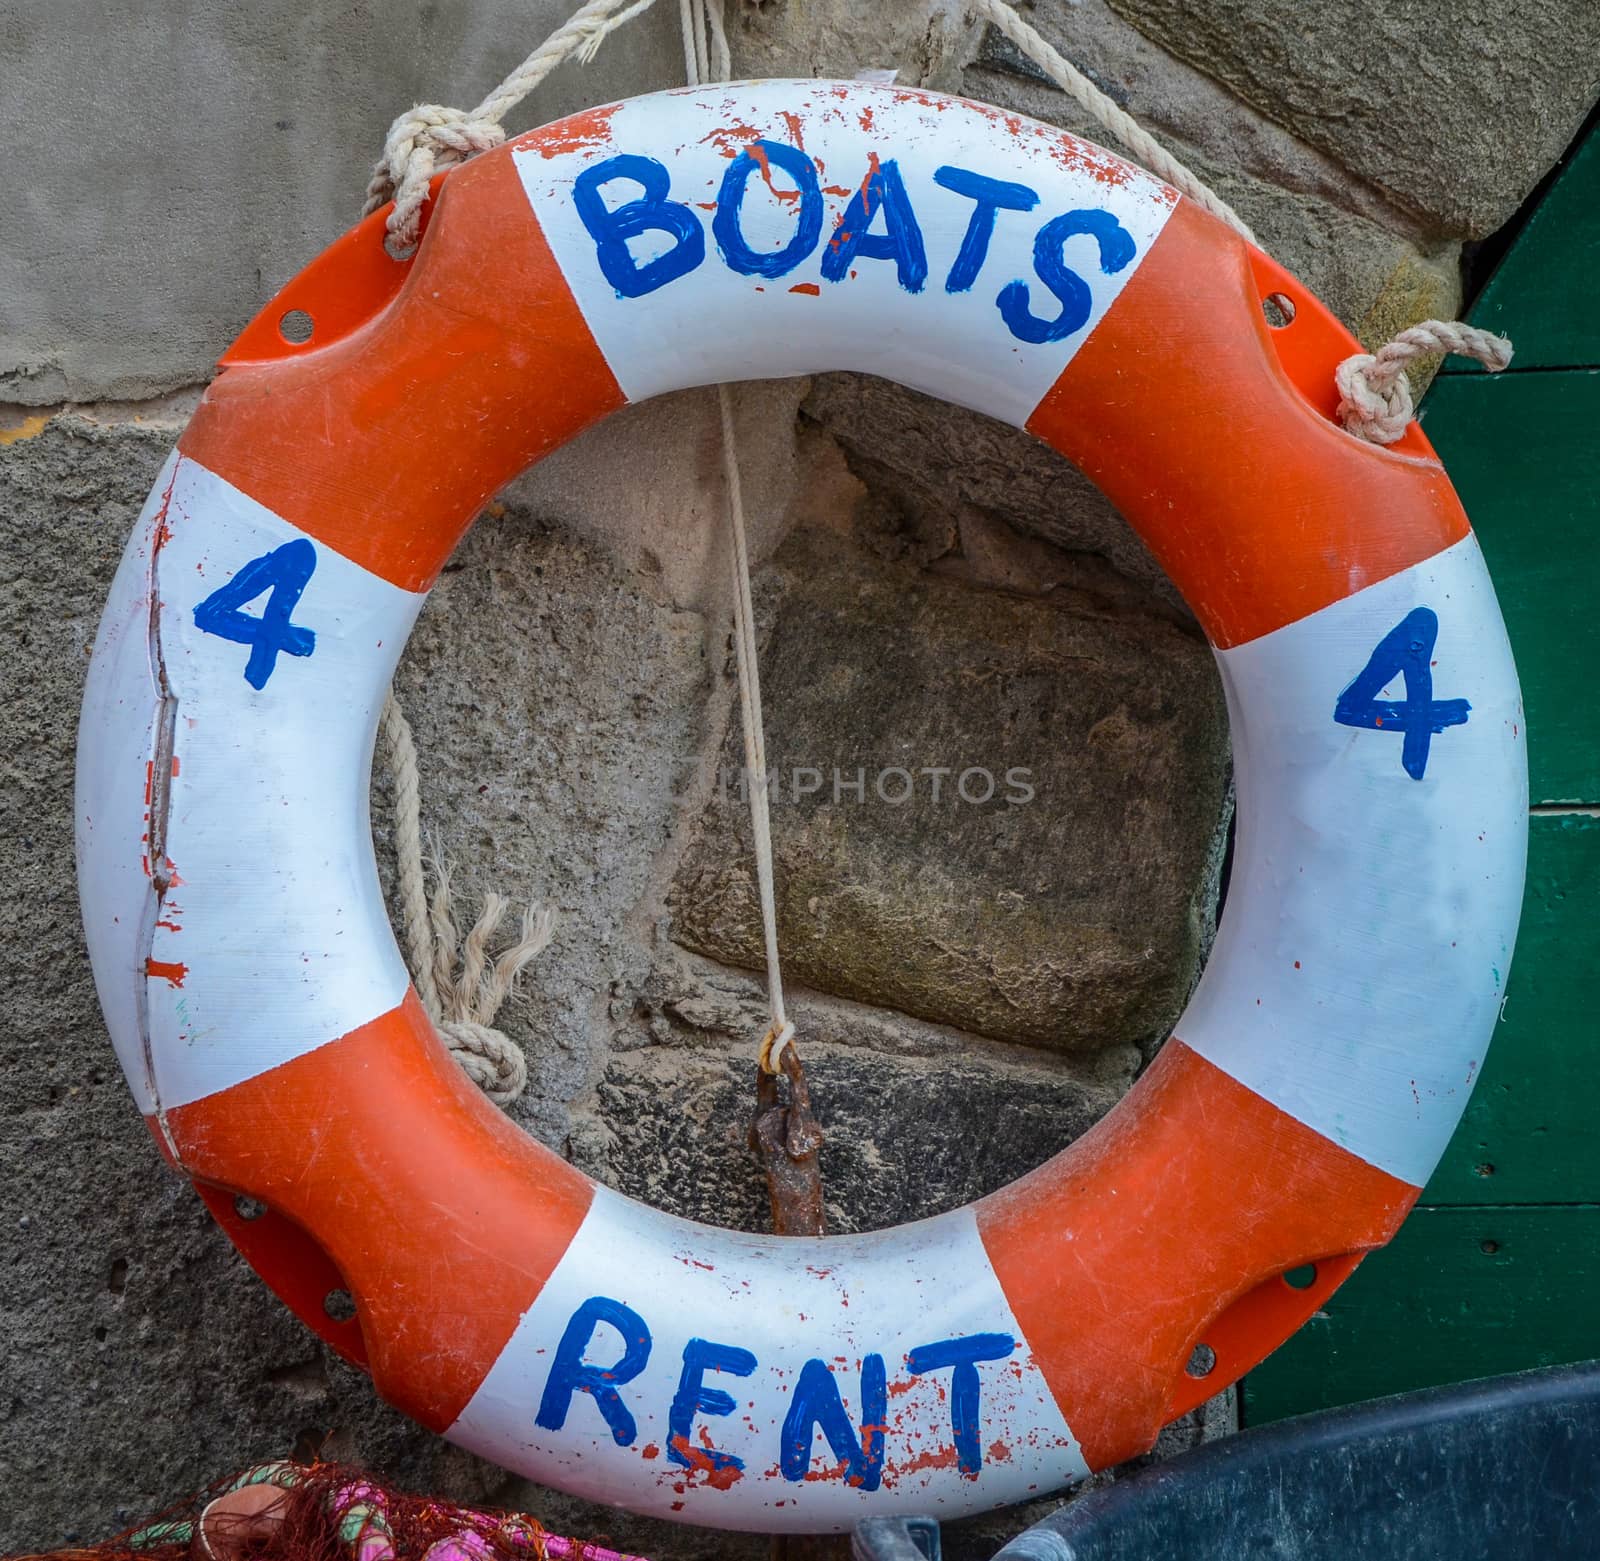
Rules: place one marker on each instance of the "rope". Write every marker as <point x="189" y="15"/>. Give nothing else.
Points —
<point x="461" y="986"/>
<point x="1105" y="113"/>
<point x="1375" y="391"/>
<point x="780" y="1033"/>
<point x="430" y="137"/>
<point x="705" y="53"/>
<point x="1375" y="395"/>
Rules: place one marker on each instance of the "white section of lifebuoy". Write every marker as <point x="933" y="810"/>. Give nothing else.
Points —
<point x="711" y="321"/>
<point x="694" y="1294"/>
<point x="116" y="752"/>
<point x="272" y="938"/>
<point x="1367" y="908"/>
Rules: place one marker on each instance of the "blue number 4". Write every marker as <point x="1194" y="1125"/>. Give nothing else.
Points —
<point x="284" y="572"/>
<point x="1405" y="651"/>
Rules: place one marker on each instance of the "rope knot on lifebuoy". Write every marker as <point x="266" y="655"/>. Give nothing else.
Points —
<point x="421" y="142"/>
<point x="1375" y="401"/>
<point x="490" y="1058"/>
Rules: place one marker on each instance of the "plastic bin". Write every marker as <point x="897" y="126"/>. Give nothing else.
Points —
<point x="1506" y="1469"/>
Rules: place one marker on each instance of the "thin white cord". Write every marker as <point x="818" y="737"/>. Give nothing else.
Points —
<point x="781" y="1031"/>
<point x="705" y="47"/>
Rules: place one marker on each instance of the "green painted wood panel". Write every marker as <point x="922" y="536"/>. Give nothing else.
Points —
<point x="1543" y="294"/>
<point x="1459" y="1293"/>
<point x="1521" y="450"/>
<point x="1528" y="1135"/>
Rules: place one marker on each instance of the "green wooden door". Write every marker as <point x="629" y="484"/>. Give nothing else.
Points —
<point x="1498" y="1268"/>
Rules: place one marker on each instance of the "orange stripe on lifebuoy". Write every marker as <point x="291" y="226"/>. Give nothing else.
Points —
<point x="1224" y="456"/>
<point x="386" y="443"/>
<point x="443" y="1218"/>
<point x="1119" y="1253"/>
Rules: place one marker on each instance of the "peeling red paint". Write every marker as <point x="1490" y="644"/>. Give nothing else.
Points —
<point x="718" y="1477"/>
<point x="580" y="133"/>
<point x="758" y="156"/>
<point x="169" y="970"/>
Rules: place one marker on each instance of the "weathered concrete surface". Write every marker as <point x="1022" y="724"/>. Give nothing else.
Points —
<point x="172" y="165"/>
<point x="1455" y="110"/>
<point x="934" y="471"/>
<point x="991" y="810"/>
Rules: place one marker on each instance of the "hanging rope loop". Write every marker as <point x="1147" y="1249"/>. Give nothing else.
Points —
<point x="462" y="986"/>
<point x="1375" y="400"/>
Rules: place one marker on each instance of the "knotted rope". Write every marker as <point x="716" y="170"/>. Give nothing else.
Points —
<point x="1375" y="391"/>
<point x="461" y="987"/>
<point x="430" y="137"/>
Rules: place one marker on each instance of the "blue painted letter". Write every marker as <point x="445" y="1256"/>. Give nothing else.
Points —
<point x="963" y="1354"/>
<point x="651" y="213"/>
<point x="1407" y="651"/>
<point x="989" y="196"/>
<point x="817" y="1404"/>
<point x="766" y="155"/>
<point x="694" y="1397"/>
<point x="570" y="1374"/>
<point x="901" y="240"/>
<point x="1116" y="250"/>
<point x="284" y="572"/>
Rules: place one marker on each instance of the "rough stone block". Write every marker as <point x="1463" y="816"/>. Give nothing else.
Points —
<point x="172" y="164"/>
<point x="1065" y="908"/>
<point x="1455" y="111"/>
<point x="1340" y="235"/>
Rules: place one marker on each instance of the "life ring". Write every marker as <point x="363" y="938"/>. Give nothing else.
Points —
<point x="252" y="985"/>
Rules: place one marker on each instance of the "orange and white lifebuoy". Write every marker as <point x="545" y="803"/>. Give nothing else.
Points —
<point x="263" y="1014"/>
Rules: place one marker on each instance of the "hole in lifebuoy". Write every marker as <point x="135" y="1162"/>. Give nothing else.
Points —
<point x="1203" y="1362"/>
<point x="1279" y="310"/>
<point x="248" y="1208"/>
<point x="1301" y="1278"/>
<point x="340" y="1305"/>
<point x="296" y="326"/>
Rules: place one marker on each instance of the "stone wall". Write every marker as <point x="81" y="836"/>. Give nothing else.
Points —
<point x="975" y="982"/>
